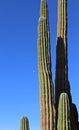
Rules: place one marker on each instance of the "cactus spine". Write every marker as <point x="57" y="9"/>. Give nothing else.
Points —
<point x="24" y="123"/>
<point x="64" y="113"/>
<point x="45" y="74"/>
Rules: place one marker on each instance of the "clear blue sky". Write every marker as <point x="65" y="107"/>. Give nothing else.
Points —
<point x="19" y="89"/>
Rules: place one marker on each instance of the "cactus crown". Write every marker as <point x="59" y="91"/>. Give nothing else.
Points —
<point x="24" y="123"/>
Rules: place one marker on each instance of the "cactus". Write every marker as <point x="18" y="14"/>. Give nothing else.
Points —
<point x="47" y="109"/>
<point x="74" y="117"/>
<point x="61" y="52"/>
<point x="75" y="114"/>
<point x="61" y="116"/>
<point x="24" y="123"/>
<point x="61" y="78"/>
<point x="64" y="113"/>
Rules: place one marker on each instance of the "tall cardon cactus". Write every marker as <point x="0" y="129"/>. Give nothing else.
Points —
<point x="64" y="113"/>
<point x="24" y="123"/>
<point x="47" y="109"/>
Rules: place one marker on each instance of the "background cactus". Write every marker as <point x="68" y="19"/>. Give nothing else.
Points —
<point x="75" y="114"/>
<point x="64" y="113"/>
<point x="74" y="117"/>
<point x="24" y="123"/>
<point x="61" y="78"/>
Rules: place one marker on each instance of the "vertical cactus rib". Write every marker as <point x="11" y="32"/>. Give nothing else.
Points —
<point x="64" y="113"/>
<point x="24" y="123"/>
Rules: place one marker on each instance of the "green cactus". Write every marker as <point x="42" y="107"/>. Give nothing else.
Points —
<point x="61" y="81"/>
<point x="47" y="110"/>
<point x="24" y="123"/>
<point x="64" y="113"/>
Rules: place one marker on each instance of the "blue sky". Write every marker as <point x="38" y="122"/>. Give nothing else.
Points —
<point x="19" y="89"/>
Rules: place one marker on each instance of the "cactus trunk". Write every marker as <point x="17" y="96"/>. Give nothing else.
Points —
<point x="47" y="109"/>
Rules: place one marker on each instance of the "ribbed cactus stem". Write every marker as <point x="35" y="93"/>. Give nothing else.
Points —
<point x="61" y="81"/>
<point x="43" y="9"/>
<point x="62" y="19"/>
<point x="64" y="113"/>
<point x="24" y="123"/>
<point x="45" y="74"/>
